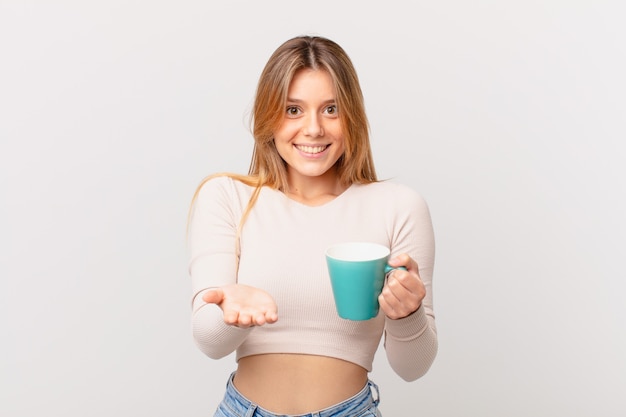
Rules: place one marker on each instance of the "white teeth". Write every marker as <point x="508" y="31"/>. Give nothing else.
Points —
<point x="311" y="149"/>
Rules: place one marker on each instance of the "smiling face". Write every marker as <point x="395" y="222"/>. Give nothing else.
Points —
<point x="310" y="138"/>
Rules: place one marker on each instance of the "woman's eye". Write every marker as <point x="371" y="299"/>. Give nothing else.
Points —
<point x="293" y="111"/>
<point x="331" y="109"/>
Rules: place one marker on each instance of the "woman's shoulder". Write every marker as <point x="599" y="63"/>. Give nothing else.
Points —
<point x="389" y="190"/>
<point x="225" y="181"/>
<point x="224" y="186"/>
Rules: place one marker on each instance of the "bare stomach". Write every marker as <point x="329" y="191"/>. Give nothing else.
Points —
<point x="297" y="384"/>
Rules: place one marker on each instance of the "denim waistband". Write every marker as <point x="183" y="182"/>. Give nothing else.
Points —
<point x="363" y="400"/>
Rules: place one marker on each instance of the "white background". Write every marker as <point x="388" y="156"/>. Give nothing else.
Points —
<point x="508" y="116"/>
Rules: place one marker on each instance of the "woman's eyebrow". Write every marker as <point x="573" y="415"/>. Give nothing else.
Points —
<point x="295" y="100"/>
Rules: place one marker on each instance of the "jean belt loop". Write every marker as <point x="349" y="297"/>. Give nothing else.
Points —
<point x="251" y="410"/>
<point x="376" y="396"/>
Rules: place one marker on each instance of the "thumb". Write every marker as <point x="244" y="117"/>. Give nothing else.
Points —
<point x="213" y="296"/>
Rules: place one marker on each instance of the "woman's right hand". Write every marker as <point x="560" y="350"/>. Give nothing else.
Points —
<point x="243" y="306"/>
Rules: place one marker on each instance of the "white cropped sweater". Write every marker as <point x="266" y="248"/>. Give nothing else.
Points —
<point x="282" y="247"/>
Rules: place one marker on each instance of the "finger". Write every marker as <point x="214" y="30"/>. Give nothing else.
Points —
<point x="213" y="296"/>
<point x="391" y="292"/>
<point x="259" y="319"/>
<point x="245" y="320"/>
<point x="231" y="317"/>
<point x="404" y="260"/>
<point x="409" y="290"/>
<point x="400" y="301"/>
<point x="266" y="317"/>
<point x="387" y="308"/>
<point x="271" y="317"/>
<point x="410" y="281"/>
<point x="384" y="306"/>
<point x="397" y="310"/>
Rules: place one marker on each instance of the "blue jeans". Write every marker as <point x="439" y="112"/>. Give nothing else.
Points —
<point x="362" y="404"/>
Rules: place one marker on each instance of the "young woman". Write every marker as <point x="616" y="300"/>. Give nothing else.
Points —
<point x="257" y="243"/>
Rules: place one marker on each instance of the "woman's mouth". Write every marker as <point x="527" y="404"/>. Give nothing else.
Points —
<point x="312" y="149"/>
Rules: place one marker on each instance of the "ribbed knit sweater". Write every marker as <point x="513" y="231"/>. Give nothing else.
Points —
<point x="282" y="246"/>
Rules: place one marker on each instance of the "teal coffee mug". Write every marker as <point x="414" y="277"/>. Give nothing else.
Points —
<point x="357" y="274"/>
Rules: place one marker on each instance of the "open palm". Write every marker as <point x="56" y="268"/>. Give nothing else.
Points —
<point x="243" y="306"/>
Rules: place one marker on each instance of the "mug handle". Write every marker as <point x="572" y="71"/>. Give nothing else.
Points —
<point x="389" y="268"/>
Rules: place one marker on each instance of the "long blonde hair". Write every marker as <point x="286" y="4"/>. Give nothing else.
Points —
<point x="267" y="168"/>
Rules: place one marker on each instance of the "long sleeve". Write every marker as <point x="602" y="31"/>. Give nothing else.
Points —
<point x="212" y="234"/>
<point x="213" y="337"/>
<point x="282" y="252"/>
<point x="411" y="342"/>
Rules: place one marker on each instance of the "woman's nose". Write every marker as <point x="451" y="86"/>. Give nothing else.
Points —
<point x="313" y="126"/>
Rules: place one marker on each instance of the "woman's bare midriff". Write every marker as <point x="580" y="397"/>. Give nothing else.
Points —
<point x="297" y="384"/>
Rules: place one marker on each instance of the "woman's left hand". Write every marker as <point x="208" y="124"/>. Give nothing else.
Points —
<point x="404" y="291"/>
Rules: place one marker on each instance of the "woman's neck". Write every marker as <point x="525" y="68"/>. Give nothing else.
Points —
<point x="315" y="191"/>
